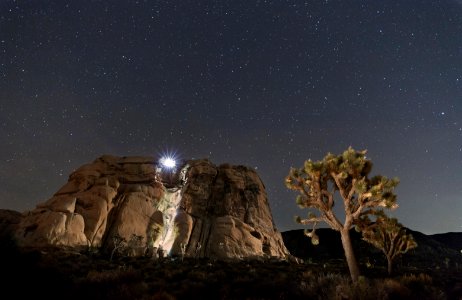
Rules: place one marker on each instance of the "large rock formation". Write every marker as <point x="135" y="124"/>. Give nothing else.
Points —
<point x="198" y="210"/>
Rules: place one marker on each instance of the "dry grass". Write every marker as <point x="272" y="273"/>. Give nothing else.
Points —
<point x="94" y="277"/>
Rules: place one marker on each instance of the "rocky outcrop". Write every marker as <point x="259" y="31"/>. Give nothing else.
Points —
<point x="9" y="221"/>
<point x="198" y="210"/>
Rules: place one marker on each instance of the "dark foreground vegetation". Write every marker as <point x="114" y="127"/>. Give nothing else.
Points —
<point x="53" y="273"/>
<point x="431" y="271"/>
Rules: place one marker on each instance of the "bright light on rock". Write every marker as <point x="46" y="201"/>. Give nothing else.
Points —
<point x="168" y="162"/>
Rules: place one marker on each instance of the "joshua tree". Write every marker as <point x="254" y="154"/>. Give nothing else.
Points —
<point x="389" y="236"/>
<point x="317" y="182"/>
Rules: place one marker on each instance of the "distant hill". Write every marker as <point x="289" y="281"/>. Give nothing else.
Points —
<point x="433" y="251"/>
<point x="329" y="247"/>
<point x="450" y="239"/>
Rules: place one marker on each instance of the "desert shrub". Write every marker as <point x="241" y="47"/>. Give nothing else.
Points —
<point x="321" y="286"/>
<point x="173" y="274"/>
<point x="161" y="295"/>
<point x="393" y="289"/>
<point x="131" y="290"/>
<point x="366" y="289"/>
<point x="338" y="286"/>
<point x="95" y="276"/>
<point x="417" y="287"/>
<point x="362" y="289"/>
<point x="121" y="283"/>
<point x="421" y="286"/>
<point x="418" y="281"/>
<point x="199" y="275"/>
<point x="200" y="289"/>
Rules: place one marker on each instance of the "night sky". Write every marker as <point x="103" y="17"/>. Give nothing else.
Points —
<point x="267" y="84"/>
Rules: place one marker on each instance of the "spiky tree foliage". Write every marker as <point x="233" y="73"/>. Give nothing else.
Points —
<point x="389" y="236"/>
<point x="347" y="173"/>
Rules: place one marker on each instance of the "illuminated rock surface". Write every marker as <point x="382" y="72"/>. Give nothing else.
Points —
<point x="201" y="209"/>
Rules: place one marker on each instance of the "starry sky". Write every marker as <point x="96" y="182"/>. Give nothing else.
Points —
<point x="267" y="84"/>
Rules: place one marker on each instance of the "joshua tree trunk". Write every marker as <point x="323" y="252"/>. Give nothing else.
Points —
<point x="349" y="254"/>
<point x="390" y="266"/>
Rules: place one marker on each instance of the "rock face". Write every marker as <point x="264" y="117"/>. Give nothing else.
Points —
<point x="198" y="210"/>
